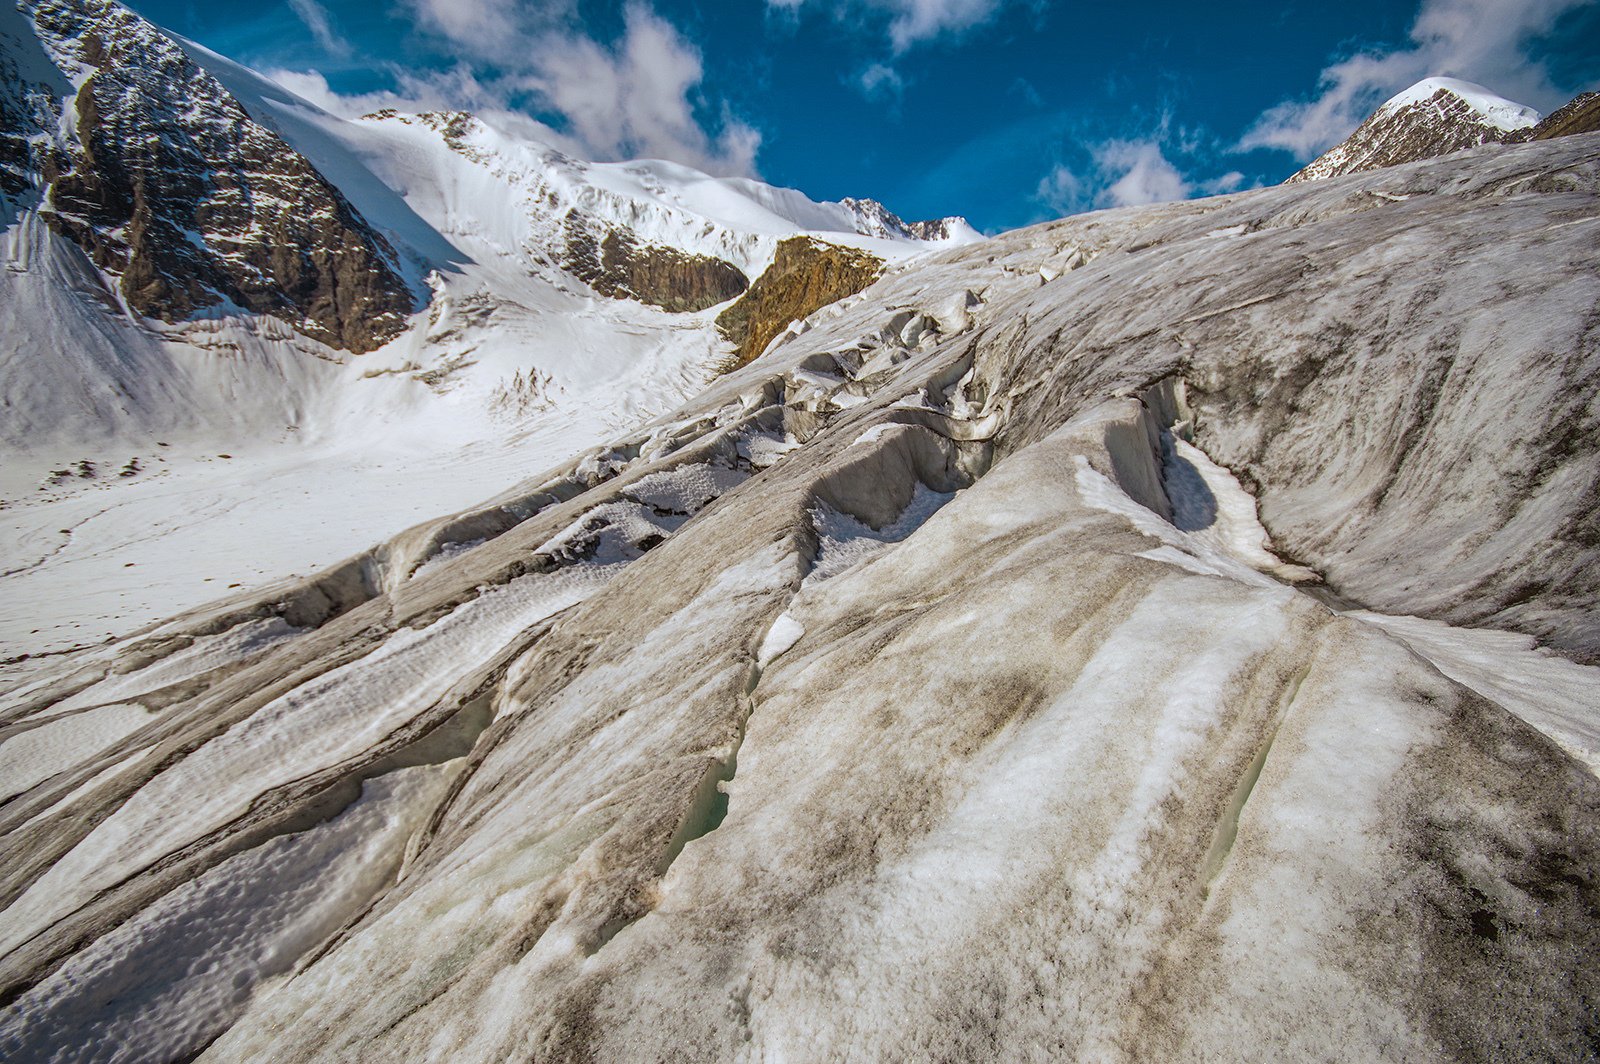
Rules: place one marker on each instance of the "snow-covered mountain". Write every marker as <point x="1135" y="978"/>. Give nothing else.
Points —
<point x="1163" y="634"/>
<point x="874" y="219"/>
<point x="1437" y="116"/>
<point x="1431" y="118"/>
<point x="205" y="199"/>
<point x="211" y="283"/>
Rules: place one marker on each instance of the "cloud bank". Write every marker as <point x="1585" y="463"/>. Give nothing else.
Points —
<point x="637" y="96"/>
<point x="320" y="23"/>
<point x="907" y="23"/>
<point x="1138" y="171"/>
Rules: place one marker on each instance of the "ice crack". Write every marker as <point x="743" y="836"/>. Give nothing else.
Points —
<point x="1227" y="830"/>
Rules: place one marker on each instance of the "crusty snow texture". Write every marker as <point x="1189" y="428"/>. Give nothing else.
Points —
<point x="918" y="694"/>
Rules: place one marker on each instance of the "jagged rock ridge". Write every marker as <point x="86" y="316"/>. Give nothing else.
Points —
<point x="874" y="219"/>
<point x="1581" y="114"/>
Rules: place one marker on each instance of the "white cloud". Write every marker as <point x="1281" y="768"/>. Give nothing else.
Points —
<point x="1128" y="173"/>
<point x="909" y="22"/>
<point x="914" y="21"/>
<point x="635" y="97"/>
<point x="1061" y="190"/>
<point x="881" y="82"/>
<point x="632" y="97"/>
<point x="1139" y="173"/>
<point x="320" y="23"/>
<point x="313" y="88"/>
<point x="1483" y="41"/>
<point x="1232" y="181"/>
<point x="494" y="30"/>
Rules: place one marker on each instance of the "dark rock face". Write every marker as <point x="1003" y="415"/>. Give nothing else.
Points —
<point x="618" y="265"/>
<point x="16" y="155"/>
<point x="30" y="108"/>
<point x="805" y="276"/>
<point x="172" y="188"/>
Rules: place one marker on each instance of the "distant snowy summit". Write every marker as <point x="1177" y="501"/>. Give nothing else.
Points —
<point x="651" y="230"/>
<point x="874" y="219"/>
<point x="1437" y="116"/>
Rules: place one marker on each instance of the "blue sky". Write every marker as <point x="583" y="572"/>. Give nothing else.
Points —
<point x="1005" y="111"/>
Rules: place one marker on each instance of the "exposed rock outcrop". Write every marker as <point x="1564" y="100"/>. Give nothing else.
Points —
<point x="617" y="264"/>
<point x="1581" y="114"/>
<point x="805" y="276"/>
<point x="174" y="190"/>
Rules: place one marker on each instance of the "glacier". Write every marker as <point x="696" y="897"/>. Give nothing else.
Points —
<point x="1167" y="633"/>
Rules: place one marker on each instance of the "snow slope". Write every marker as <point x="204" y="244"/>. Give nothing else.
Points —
<point x="496" y="194"/>
<point x="913" y="694"/>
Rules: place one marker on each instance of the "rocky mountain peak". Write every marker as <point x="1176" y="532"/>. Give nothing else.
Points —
<point x="874" y="219"/>
<point x="1434" y="117"/>
<point x="177" y="193"/>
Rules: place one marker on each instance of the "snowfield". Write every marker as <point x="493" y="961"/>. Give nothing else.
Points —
<point x="1181" y="644"/>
